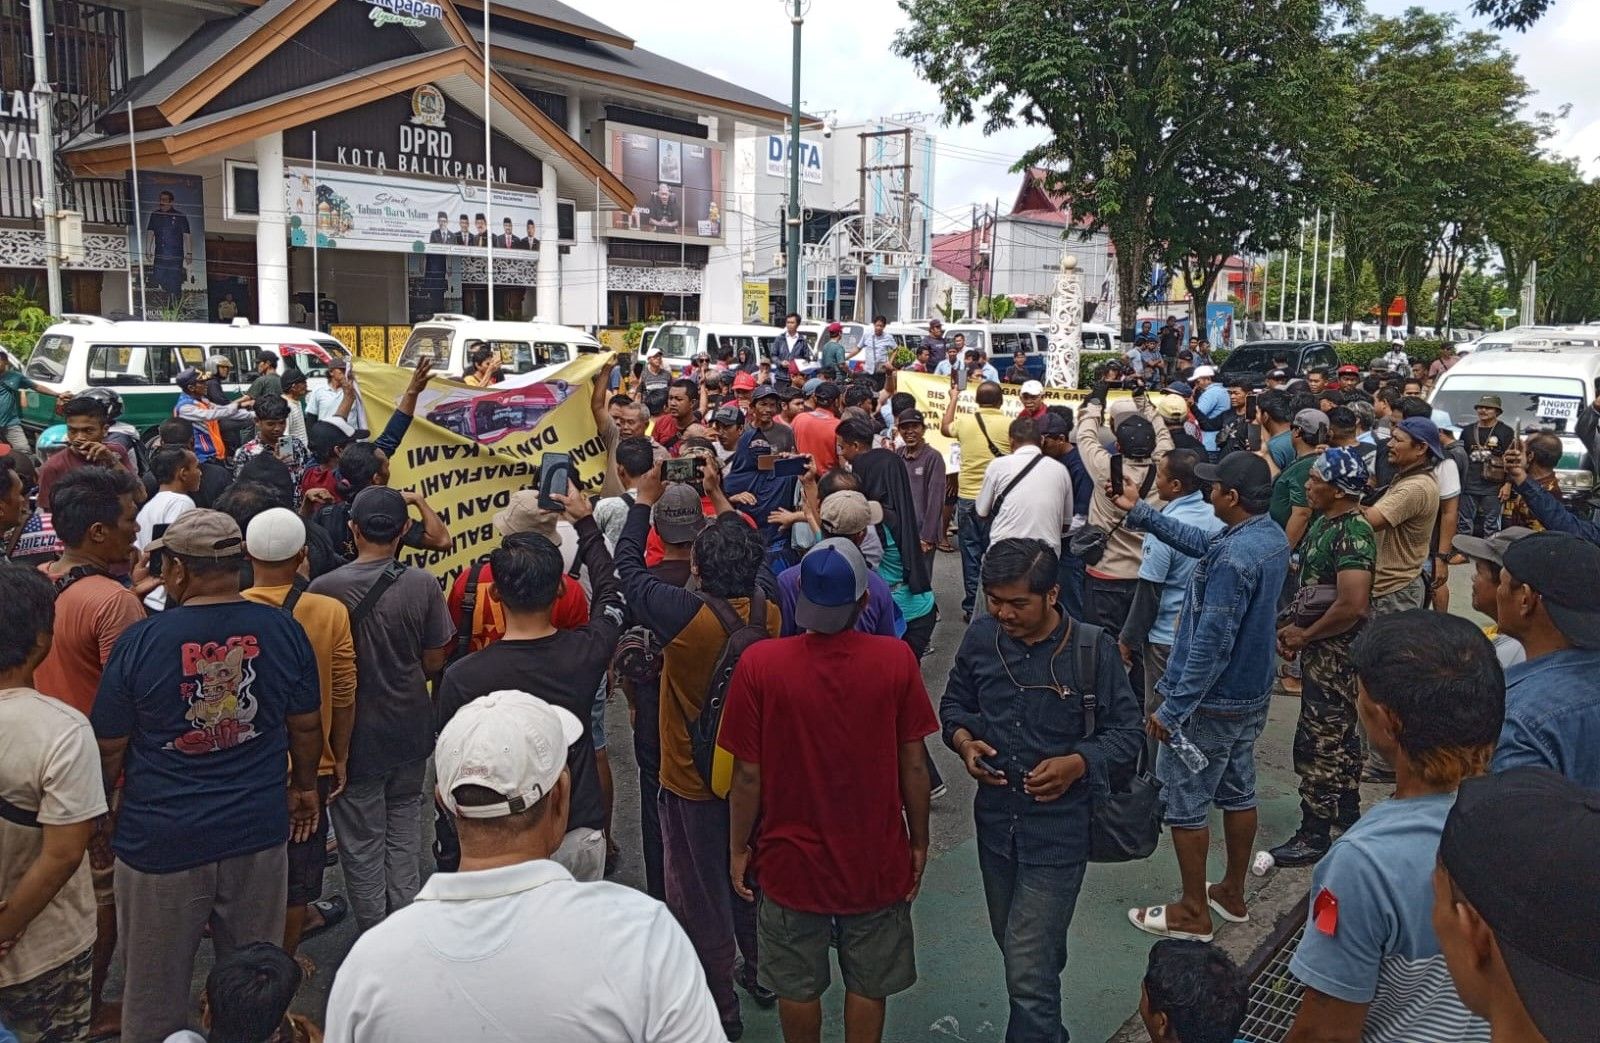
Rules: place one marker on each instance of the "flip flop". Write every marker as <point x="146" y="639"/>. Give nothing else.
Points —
<point x="333" y="911"/>
<point x="1216" y="907"/>
<point x="1155" y="922"/>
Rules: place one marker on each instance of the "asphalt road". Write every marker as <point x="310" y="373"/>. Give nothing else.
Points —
<point x="960" y="994"/>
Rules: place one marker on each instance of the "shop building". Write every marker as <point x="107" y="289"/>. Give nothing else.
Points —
<point x="302" y="151"/>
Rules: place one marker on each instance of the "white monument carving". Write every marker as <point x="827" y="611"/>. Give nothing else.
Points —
<point x="1066" y="327"/>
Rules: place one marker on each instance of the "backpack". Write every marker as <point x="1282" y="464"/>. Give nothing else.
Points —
<point x="714" y="763"/>
<point x="334" y="518"/>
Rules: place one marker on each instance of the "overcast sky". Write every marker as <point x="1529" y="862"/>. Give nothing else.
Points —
<point x="848" y="67"/>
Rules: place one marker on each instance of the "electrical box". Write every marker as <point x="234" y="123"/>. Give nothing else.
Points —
<point x="69" y="232"/>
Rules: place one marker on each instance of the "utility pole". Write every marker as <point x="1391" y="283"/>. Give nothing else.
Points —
<point x="44" y="112"/>
<point x="972" y="265"/>
<point x="796" y="304"/>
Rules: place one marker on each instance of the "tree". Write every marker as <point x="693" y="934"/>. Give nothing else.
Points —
<point x="1123" y="93"/>
<point x="1525" y="226"/>
<point x="1511" y="14"/>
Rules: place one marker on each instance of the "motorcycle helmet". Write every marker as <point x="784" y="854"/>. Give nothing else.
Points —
<point x="112" y="400"/>
<point x="52" y="439"/>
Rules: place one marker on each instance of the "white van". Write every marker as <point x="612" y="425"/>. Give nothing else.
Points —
<point x="1001" y="339"/>
<point x="680" y="342"/>
<point x="139" y="361"/>
<point x="1539" y="386"/>
<point x="524" y="347"/>
<point x="1096" y="337"/>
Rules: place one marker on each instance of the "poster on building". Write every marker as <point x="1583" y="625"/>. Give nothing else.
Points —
<point x="470" y="448"/>
<point x="171" y="227"/>
<point x="346" y="209"/>
<point x="1219" y="326"/>
<point x="676" y="184"/>
<point x="778" y="153"/>
<point x="757" y="304"/>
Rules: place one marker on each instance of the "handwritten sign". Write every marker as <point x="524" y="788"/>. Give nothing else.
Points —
<point x="1558" y="409"/>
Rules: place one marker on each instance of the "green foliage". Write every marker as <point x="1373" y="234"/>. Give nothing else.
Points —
<point x="21" y="323"/>
<point x="902" y="357"/>
<point x="635" y="331"/>
<point x="947" y="309"/>
<point x="1361" y="353"/>
<point x="997" y="308"/>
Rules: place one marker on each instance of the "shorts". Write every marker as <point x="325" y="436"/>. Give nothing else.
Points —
<point x="52" y="1005"/>
<point x="877" y="954"/>
<point x="597" y="716"/>
<point x="309" y="860"/>
<point x="1228" y="781"/>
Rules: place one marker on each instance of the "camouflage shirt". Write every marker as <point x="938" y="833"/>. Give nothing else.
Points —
<point x="1334" y="545"/>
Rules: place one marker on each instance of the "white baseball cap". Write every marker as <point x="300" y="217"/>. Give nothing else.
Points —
<point x="1032" y="387"/>
<point x="652" y="353"/>
<point x="275" y="535"/>
<point x="509" y="742"/>
<point x="1201" y="372"/>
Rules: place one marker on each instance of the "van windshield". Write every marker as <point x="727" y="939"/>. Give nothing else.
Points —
<point x="520" y="356"/>
<point x="678" y="342"/>
<point x="1530" y="402"/>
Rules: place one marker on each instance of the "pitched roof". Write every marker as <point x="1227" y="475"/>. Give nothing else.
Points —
<point x="952" y="254"/>
<point x="555" y="15"/>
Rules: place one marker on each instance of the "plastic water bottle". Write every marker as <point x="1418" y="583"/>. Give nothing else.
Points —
<point x="1188" y="752"/>
<point x="1262" y="863"/>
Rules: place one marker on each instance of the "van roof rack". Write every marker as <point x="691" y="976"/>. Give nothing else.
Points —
<point x="80" y="319"/>
<point x="450" y="316"/>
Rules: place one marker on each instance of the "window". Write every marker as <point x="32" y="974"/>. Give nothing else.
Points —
<point x="243" y="357"/>
<point x="241" y="191"/>
<point x="678" y="342"/>
<point x="1530" y="401"/>
<point x="117" y="365"/>
<point x="432" y="340"/>
<point x="49" y="359"/>
<point x="519" y="356"/>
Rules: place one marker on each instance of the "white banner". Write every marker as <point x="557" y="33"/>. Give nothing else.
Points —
<point x="359" y="211"/>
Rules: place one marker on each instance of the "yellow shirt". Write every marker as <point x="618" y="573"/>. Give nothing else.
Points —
<point x="975" y="454"/>
<point x="327" y="626"/>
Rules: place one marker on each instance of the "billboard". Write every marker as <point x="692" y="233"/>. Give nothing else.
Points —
<point x="357" y="211"/>
<point x="172" y="224"/>
<point x="677" y="182"/>
<point x="778" y="159"/>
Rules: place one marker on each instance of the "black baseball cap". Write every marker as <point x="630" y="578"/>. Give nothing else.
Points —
<point x="378" y="502"/>
<point x="827" y="391"/>
<point x="1241" y="471"/>
<point x="1565" y="571"/>
<point x="1136" y="437"/>
<point x="910" y="416"/>
<point x="1523" y="846"/>
<point x="1053" y="426"/>
<point x="766" y="391"/>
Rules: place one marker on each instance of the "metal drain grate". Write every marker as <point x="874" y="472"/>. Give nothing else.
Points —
<point x="1274" y="997"/>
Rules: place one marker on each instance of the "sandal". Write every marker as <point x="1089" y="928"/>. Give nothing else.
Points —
<point x="1154" y="921"/>
<point x="947" y="547"/>
<point x="1217" y="908"/>
<point x="332" y="910"/>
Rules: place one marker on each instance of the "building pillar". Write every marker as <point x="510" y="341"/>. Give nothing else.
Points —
<point x="272" y="235"/>
<point x="548" y="301"/>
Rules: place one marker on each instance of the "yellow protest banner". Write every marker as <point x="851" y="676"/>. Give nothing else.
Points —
<point x="933" y="395"/>
<point x="470" y="448"/>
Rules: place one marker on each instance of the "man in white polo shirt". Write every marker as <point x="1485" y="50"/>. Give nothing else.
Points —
<point x="512" y="947"/>
<point x="1023" y="495"/>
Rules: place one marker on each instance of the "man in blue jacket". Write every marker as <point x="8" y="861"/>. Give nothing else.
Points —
<point x="1217" y="685"/>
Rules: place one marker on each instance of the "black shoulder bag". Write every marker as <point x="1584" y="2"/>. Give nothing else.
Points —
<point x="1088" y="544"/>
<point x="391" y="572"/>
<point x="1125" y="821"/>
<point x="1000" y="498"/>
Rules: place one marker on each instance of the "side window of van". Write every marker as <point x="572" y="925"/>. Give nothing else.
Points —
<point x="49" y="359"/>
<point x="432" y="340"/>
<point x="113" y="365"/>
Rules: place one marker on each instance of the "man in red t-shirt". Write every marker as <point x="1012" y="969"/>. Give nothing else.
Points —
<point x="814" y="430"/>
<point x="828" y="765"/>
<point x="669" y="427"/>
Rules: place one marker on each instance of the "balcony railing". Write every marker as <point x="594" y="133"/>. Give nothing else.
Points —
<point x="88" y="59"/>
<point x="102" y="201"/>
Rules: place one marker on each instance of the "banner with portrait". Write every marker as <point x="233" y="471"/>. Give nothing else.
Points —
<point x="353" y="210"/>
<point x="470" y="448"/>
<point x="171" y="229"/>
<point x="676" y="184"/>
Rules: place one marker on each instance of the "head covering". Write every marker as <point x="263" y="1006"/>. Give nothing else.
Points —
<point x="1565" y="571"/>
<point x="1181" y="388"/>
<point x="1523" y="847"/>
<point x="1202" y="372"/>
<point x="216" y="361"/>
<point x="884" y="481"/>
<point x="771" y="490"/>
<point x="1137" y="437"/>
<point x="201" y="533"/>
<point x="1032" y="387"/>
<point x="833" y="578"/>
<point x="1343" y="469"/>
<point x="677" y="516"/>
<point x="1172" y="407"/>
<point x="1444" y="422"/>
<point x="1424" y="431"/>
<point x="1351" y="368"/>
<point x="509" y="742"/>
<point x="1245" y="472"/>
<point x="835" y="327"/>
<point x="275" y="535"/>
<point x="744" y="381"/>
<point x="827" y="391"/>
<point x="911" y="416"/>
<point x="765" y="391"/>
<point x="1493" y="549"/>
<point x="523" y="514"/>
<point x="810" y="387"/>
<point x="1490" y="402"/>
<point x="1312" y="425"/>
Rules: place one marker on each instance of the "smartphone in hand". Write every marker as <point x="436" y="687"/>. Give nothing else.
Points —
<point x="1116" y="473"/>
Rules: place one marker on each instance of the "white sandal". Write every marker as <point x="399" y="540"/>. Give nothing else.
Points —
<point x="1216" y="907"/>
<point x="1155" y="922"/>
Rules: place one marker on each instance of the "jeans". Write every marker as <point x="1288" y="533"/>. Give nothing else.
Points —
<point x="1483" y="508"/>
<point x="972" y="535"/>
<point x="1106" y="604"/>
<point x="1070" y="574"/>
<point x="647" y="754"/>
<point x="17" y="439"/>
<point x="379" y="822"/>
<point x="1030" y="910"/>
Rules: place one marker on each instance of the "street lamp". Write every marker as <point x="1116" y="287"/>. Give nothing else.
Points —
<point x="792" y="276"/>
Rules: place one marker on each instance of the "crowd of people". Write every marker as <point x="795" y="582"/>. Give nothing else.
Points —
<point x="217" y="668"/>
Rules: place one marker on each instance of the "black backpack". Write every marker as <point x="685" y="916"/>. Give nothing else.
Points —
<point x="715" y="764"/>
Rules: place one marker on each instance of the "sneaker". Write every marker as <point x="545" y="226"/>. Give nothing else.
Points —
<point x="938" y="791"/>
<point x="764" y="997"/>
<point x="1302" y="849"/>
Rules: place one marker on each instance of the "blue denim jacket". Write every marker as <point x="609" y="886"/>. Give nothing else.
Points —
<point x="1227" y="630"/>
<point x="1553" y="716"/>
<point x="1010" y="705"/>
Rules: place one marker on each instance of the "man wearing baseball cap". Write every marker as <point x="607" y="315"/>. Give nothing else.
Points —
<point x="1546" y="600"/>
<point x="197" y="707"/>
<point x="1218" y="682"/>
<point x="1487" y="557"/>
<point x="275" y="543"/>
<point x="456" y="963"/>
<point x="1032" y="393"/>
<point x="1517" y="858"/>
<point x="1308" y="433"/>
<point x="766" y="405"/>
<point x="1349" y="376"/>
<point x="1211" y="401"/>
<point x="846" y="516"/>
<point x="727" y="424"/>
<point x="814" y="431"/>
<point x="403" y="634"/>
<point x="837" y="773"/>
<point x="831" y="358"/>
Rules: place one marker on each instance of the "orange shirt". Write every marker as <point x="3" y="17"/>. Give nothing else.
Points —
<point x="814" y="435"/>
<point x="90" y="615"/>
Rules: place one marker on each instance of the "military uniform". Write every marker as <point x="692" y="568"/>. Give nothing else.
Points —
<point x="52" y="1005"/>
<point x="1327" y="747"/>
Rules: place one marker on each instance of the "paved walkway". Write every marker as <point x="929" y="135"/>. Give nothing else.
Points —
<point x="960" y="994"/>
